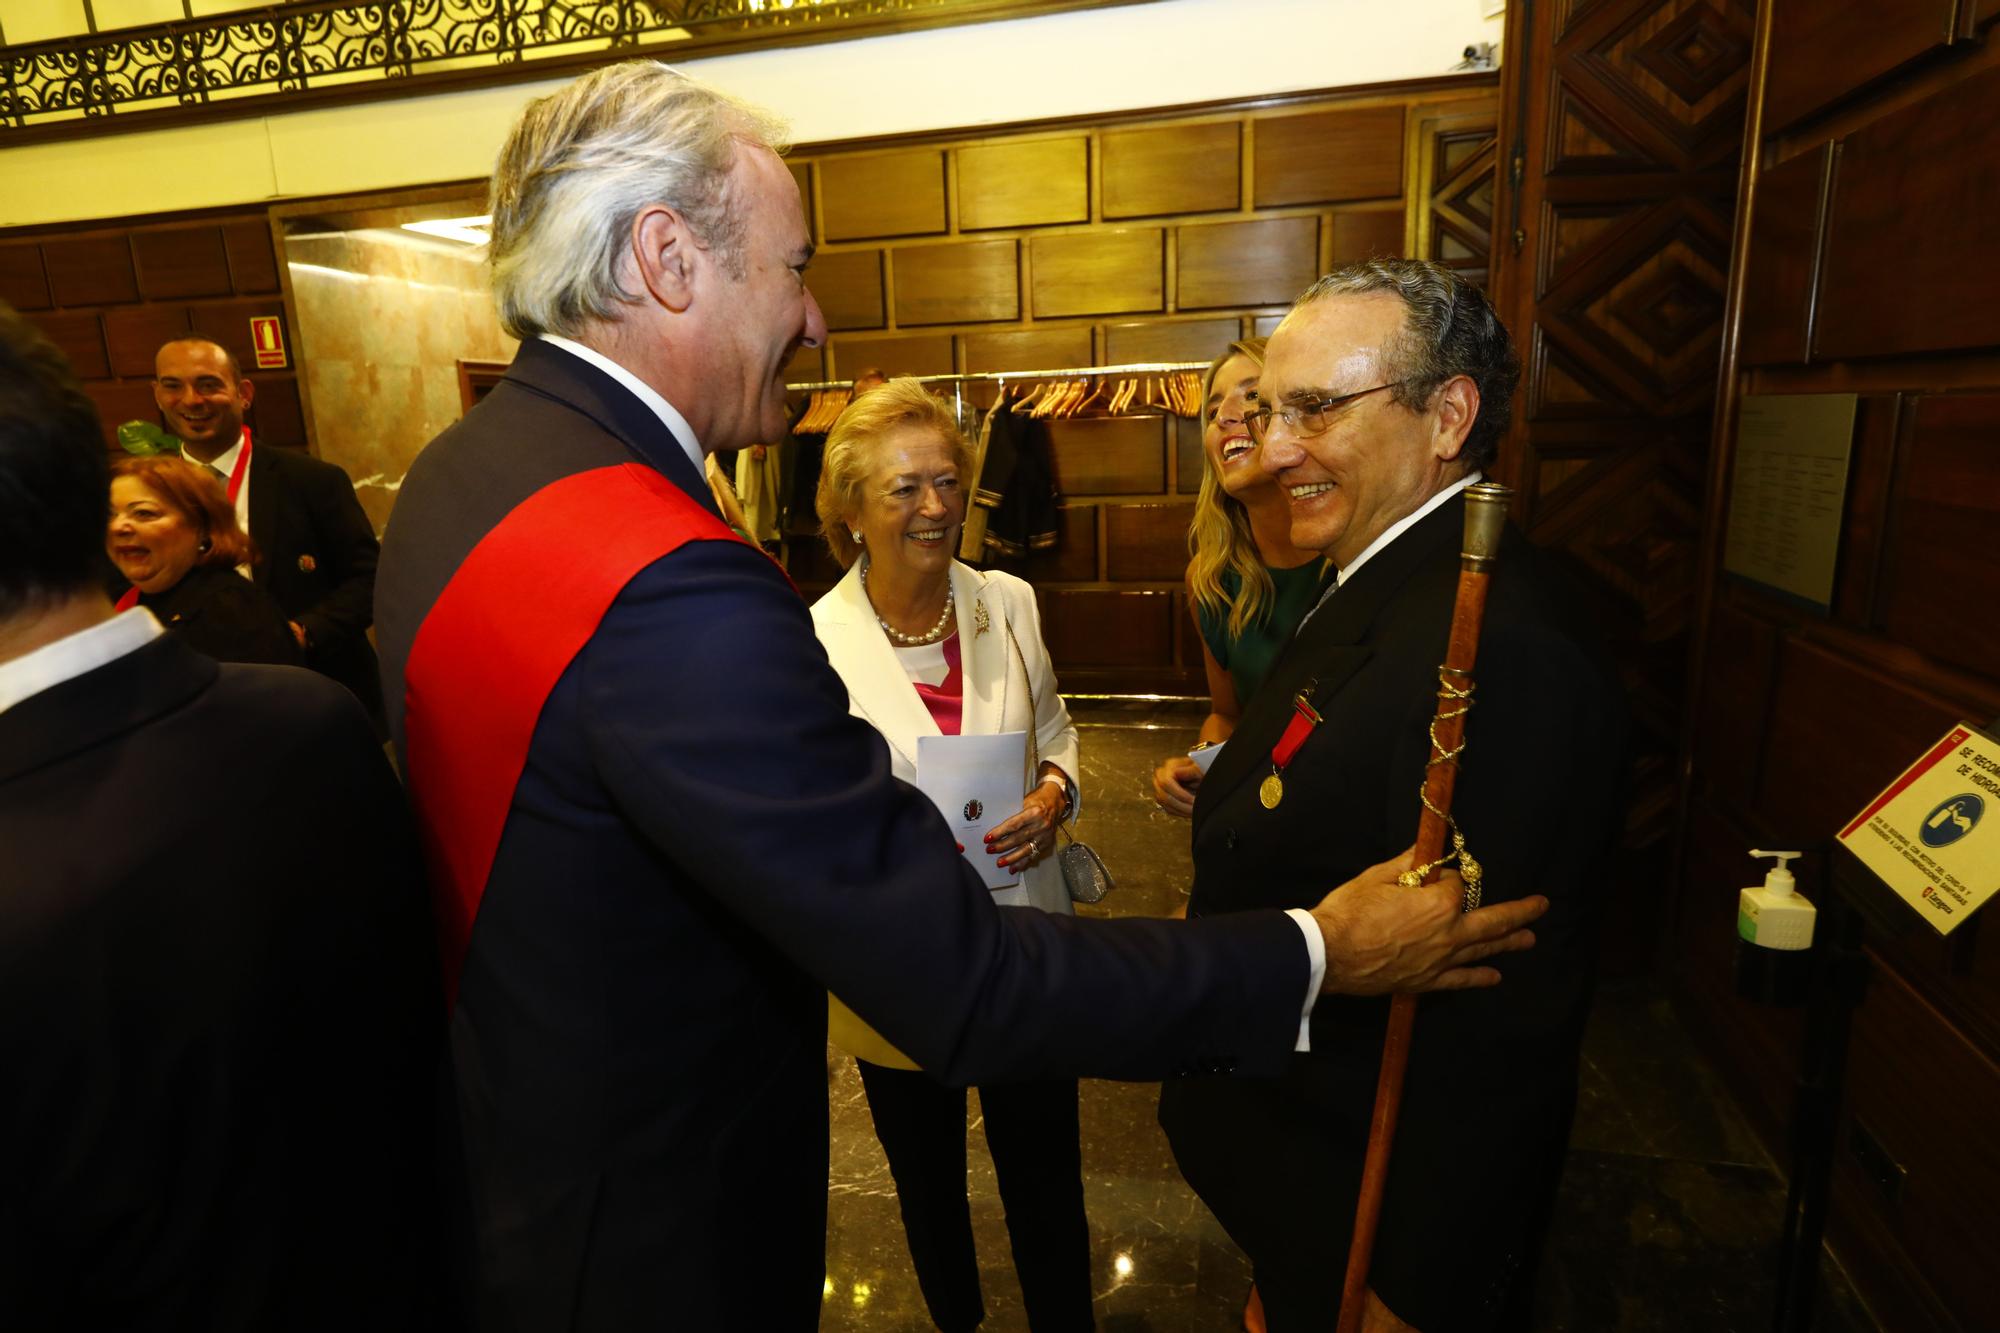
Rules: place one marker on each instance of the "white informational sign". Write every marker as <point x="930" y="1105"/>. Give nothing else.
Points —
<point x="975" y="782"/>
<point x="1934" y="835"/>
<point x="1788" y="490"/>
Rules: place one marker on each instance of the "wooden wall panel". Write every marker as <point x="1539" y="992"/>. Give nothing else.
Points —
<point x="1266" y="262"/>
<point x="1171" y="340"/>
<point x="1374" y="233"/>
<point x="848" y="286"/>
<point x="1089" y="627"/>
<point x="1109" y="455"/>
<point x="1147" y="543"/>
<point x="1909" y="231"/>
<point x="1173" y="169"/>
<point x="1821" y="50"/>
<point x="1735" y="703"/>
<point x="1941" y="560"/>
<point x="120" y="401"/>
<point x="276" y="415"/>
<point x="916" y="354"/>
<point x="79" y="335"/>
<point x="1099" y="273"/>
<point x="90" y="270"/>
<point x="228" y="322"/>
<point x="882" y="194"/>
<point x="1188" y="464"/>
<point x="1029" y="349"/>
<point x="1818" y="775"/>
<point x="1023" y="183"/>
<point x="134" y="334"/>
<point x="23" y="284"/>
<point x="966" y="283"/>
<point x="1926" y="1095"/>
<point x="1328" y="156"/>
<point x="1075" y="558"/>
<point x="253" y="267"/>
<point x="1784" y="237"/>
<point x="1854" y="696"/>
<point x="181" y="261"/>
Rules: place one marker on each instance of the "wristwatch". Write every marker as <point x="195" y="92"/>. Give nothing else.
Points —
<point x="1061" y="780"/>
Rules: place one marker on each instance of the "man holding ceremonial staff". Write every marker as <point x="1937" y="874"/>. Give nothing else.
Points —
<point x="1385" y="394"/>
<point x="657" y="836"/>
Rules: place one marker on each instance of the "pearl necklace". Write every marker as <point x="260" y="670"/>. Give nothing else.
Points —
<point x="931" y="635"/>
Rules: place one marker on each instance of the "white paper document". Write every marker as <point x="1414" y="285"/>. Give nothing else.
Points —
<point x="1204" y="755"/>
<point x="975" y="782"/>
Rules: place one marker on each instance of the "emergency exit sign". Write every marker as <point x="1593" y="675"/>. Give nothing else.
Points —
<point x="269" y="341"/>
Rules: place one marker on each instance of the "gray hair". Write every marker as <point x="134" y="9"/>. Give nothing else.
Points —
<point x="1449" y="329"/>
<point x="582" y="163"/>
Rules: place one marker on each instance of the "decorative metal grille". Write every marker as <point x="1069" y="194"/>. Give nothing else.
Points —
<point x="315" y="46"/>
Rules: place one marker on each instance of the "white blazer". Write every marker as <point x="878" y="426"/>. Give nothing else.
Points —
<point x="996" y="693"/>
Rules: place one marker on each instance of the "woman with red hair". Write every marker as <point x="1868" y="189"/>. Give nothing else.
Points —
<point x="173" y="533"/>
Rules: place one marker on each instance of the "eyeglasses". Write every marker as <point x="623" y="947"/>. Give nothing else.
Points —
<point x="1305" y="417"/>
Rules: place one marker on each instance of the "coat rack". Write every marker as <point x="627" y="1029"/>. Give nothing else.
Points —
<point x="1184" y="404"/>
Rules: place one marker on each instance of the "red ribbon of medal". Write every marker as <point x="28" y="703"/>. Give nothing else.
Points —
<point x="1304" y="718"/>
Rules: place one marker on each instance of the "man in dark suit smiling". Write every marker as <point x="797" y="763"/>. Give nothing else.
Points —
<point x="1385" y="393"/>
<point x="658" y="836"/>
<point x="317" y="548"/>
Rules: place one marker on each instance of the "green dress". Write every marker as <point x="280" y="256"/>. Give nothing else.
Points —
<point x="1248" y="659"/>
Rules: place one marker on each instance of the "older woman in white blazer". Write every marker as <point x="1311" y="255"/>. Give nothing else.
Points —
<point x="928" y="646"/>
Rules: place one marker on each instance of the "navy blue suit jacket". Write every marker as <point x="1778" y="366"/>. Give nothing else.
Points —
<point x="702" y="843"/>
<point x="1492" y="1072"/>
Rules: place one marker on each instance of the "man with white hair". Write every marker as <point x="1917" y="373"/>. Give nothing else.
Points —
<point x="657" y="836"/>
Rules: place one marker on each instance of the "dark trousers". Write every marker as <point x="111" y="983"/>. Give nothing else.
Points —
<point x="1031" y="1129"/>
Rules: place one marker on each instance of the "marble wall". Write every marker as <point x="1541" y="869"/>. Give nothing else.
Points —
<point x="384" y="316"/>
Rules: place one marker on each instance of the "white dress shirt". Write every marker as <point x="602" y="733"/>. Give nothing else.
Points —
<point x="668" y="414"/>
<point x="75" y="654"/>
<point x="225" y="463"/>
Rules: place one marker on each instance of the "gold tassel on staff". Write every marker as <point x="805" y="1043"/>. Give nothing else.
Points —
<point x="1485" y="518"/>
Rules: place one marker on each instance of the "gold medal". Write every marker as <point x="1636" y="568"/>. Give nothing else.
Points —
<point x="1271" y="791"/>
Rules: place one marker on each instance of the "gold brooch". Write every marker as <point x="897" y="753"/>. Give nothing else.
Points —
<point x="980" y="623"/>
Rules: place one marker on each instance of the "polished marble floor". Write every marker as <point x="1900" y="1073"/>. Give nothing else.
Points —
<point x="1667" y="1219"/>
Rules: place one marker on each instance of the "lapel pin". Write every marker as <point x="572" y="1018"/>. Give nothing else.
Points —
<point x="307" y="564"/>
<point x="980" y="622"/>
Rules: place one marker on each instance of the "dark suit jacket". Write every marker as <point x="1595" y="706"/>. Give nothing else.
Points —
<point x="218" y="1008"/>
<point x="218" y="613"/>
<point x="702" y="843"/>
<point x="319" y="554"/>
<point x="1492" y="1072"/>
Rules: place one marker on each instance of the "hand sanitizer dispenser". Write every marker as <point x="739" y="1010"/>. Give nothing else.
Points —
<point x="1774" y="924"/>
<point x="1775" y="915"/>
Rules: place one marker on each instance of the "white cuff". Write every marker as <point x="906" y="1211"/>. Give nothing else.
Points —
<point x="1316" y="953"/>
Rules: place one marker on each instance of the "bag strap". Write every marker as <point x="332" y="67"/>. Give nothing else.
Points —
<point x="1035" y="726"/>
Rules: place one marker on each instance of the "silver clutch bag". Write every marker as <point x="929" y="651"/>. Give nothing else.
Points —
<point x="1083" y="871"/>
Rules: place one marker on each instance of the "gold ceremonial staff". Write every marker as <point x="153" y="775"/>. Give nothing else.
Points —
<point x="1485" y="519"/>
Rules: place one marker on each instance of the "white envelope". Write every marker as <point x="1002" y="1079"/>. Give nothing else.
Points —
<point x="975" y="782"/>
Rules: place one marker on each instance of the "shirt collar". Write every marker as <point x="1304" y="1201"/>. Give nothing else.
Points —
<point x="669" y="416"/>
<point x="1403" y="525"/>
<point x="76" y="654"/>
<point x="225" y="462"/>
<point x="1394" y="530"/>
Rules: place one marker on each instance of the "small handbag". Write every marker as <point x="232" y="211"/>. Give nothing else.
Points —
<point x="1083" y="870"/>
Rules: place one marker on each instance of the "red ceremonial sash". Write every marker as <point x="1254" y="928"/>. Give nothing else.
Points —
<point x="130" y="598"/>
<point x="485" y="659"/>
